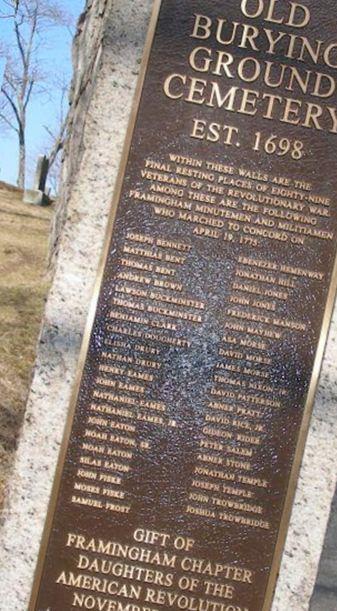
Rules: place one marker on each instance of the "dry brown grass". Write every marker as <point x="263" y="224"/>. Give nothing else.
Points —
<point x="24" y="233"/>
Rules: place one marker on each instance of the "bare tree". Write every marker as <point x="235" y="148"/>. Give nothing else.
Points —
<point x="56" y="134"/>
<point x="23" y="74"/>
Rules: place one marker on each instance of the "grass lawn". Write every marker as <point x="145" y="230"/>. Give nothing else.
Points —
<point x="24" y="235"/>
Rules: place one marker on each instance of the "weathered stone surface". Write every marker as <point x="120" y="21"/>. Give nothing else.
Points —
<point x="91" y="163"/>
<point x="314" y="494"/>
<point x="87" y="56"/>
<point x="107" y="54"/>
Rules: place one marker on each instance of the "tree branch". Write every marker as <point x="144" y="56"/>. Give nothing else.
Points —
<point x="24" y="78"/>
<point x="29" y="92"/>
<point x="20" y="45"/>
<point x="8" y="122"/>
<point x="58" y="142"/>
<point x="14" y="108"/>
<point x="10" y="6"/>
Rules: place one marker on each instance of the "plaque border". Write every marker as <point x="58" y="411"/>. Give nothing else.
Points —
<point x="310" y="398"/>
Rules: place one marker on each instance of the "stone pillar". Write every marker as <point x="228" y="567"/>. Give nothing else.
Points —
<point x="107" y="54"/>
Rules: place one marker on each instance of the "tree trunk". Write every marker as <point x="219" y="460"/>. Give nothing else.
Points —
<point x="22" y="166"/>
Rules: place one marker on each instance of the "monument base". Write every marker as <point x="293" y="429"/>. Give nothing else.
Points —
<point x="35" y="198"/>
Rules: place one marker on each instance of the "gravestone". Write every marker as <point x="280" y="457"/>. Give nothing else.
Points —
<point x="37" y="195"/>
<point x="59" y="351"/>
<point x="41" y="173"/>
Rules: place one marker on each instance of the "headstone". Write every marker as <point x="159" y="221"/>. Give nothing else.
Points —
<point x="41" y="173"/>
<point x="38" y="195"/>
<point x="211" y="312"/>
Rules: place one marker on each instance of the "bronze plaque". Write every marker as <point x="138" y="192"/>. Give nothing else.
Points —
<point x="200" y="363"/>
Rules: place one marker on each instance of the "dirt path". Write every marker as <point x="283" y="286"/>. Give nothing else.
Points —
<point x="24" y="233"/>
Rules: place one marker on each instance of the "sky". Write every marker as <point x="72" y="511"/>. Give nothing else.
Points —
<point x="44" y="109"/>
